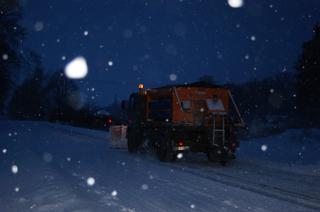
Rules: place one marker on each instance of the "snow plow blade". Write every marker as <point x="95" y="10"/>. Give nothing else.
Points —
<point x="118" y="136"/>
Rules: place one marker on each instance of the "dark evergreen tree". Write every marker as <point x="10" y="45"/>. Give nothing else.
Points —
<point x="28" y="101"/>
<point x="11" y="36"/>
<point x="62" y="96"/>
<point x="308" y="81"/>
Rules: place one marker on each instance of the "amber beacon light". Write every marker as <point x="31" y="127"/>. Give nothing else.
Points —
<point x="140" y="86"/>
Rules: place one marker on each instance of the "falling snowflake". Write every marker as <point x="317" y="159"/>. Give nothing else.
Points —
<point x="4" y="151"/>
<point x="128" y="33"/>
<point x="86" y="33"/>
<point x="114" y="193"/>
<point x="5" y="57"/>
<point x="38" y="26"/>
<point x="68" y="159"/>
<point x="47" y="157"/>
<point x="173" y="77"/>
<point x="192" y="206"/>
<point x="135" y="67"/>
<point x="271" y="90"/>
<point x="91" y="181"/>
<point x="63" y="58"/>
<point x="14" y="169"/>
<point x="247" y="57"/>
<point x="16" y="189"/>
<point x="253" y="38"/>
<point x="144" y="187"/>
<point x="77" y="68"/>
<point x="235" y="3"/>
<point x="284" y="69"/>
<point x="110" y="63"/>
<point x="264" y="147"/>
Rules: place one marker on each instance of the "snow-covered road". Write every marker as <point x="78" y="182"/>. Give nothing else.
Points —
<point x="47" y="167"/>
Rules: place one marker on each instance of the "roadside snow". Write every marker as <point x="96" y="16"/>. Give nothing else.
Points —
<point x="295" y="150"/>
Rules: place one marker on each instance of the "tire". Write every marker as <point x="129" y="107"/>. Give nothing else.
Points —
<point x="164" y="150"/>
<point x="224" y="158"/>
<point x="135" y="139"/>
<point x="223" y="162"/>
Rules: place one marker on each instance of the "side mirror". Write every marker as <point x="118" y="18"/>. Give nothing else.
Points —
<point x="124" y="104"/>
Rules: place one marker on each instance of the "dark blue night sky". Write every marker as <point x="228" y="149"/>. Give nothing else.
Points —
<point x="149" y="40"/>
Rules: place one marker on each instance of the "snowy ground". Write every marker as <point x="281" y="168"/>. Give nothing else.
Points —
<point x="47" y="167"/>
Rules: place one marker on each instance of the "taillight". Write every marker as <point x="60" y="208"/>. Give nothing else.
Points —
<point x="109" y="121"/>
<point x="181" y="143"/>
<point x="233" y="146"/>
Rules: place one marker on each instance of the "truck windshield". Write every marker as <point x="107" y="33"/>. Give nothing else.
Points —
<point x="160" y="110"/>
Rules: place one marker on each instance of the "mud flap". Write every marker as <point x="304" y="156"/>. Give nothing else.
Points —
<point x="218" y="155"/>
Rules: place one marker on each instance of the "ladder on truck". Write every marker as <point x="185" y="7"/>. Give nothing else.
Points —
<point x="218" y="132"/>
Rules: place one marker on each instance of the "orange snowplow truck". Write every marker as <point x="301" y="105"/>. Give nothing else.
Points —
<point x="190" y="117"/>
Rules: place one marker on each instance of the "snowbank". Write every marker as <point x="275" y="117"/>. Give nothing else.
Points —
<point x="296" y="149"/>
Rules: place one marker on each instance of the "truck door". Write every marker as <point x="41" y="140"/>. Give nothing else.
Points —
<point x="137" y="108"/>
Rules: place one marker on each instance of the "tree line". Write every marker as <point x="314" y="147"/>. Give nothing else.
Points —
<point x="40" y="96"/>
<point x="290" y="98"/>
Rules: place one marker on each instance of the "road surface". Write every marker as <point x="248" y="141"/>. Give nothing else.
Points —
<point x="49" y="167"/>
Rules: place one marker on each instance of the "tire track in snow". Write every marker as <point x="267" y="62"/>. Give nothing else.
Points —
<point x="260" y="188"/>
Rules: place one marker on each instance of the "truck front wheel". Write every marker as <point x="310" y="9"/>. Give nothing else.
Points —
<point x="164" y="150"/>
<point x="135" y="138"/>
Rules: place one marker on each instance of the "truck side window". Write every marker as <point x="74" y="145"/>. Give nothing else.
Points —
<point x="186" y="105"/>
<point x="215" y="104"/>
